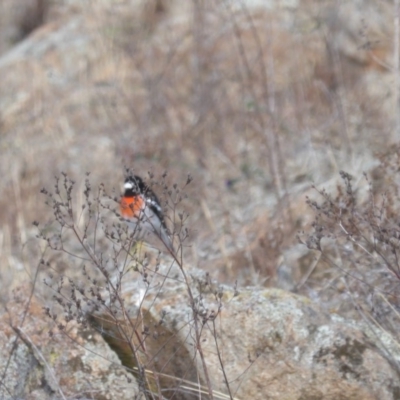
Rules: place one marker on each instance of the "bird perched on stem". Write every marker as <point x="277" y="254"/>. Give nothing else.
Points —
<point x="142" y="210"/>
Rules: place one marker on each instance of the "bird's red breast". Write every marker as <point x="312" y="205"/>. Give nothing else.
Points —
<point x="132" y="206"/>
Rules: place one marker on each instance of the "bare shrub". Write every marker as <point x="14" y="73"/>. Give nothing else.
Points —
<point x="356" y="235"/>
<point x="106" y="262"/>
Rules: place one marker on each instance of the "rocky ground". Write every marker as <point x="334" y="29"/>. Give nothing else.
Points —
<point x="257" y="102"/>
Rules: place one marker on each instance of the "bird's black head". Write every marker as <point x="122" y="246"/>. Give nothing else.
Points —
<point x="134" y="185"/>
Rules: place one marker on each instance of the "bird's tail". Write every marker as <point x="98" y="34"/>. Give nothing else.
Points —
<point x="166" y="240"/>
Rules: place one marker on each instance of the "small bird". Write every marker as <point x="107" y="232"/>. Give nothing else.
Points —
<point x="142" y="210"/>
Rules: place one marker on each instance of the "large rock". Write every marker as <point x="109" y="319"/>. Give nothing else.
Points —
<point x="266" y="343"/>
<point x="269" y="343"/>
<point x="75" y="363"/>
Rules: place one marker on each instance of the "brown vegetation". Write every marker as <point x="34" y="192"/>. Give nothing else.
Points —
<point x="255" y="104"/>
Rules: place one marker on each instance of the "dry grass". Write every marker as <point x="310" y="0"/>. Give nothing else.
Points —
<point x="255" y="104"/>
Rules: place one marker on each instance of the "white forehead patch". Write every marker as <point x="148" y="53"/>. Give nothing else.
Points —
<point x="128" y="185"/>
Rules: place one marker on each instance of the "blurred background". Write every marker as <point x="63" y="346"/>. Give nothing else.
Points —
<point x="257" y="100"/>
